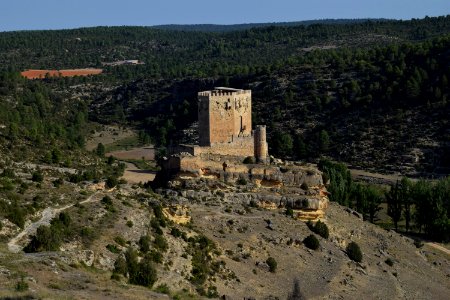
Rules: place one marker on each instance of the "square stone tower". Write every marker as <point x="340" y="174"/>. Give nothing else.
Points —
<point x="224" y="114"/>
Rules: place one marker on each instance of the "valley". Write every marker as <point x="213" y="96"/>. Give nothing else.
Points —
<point x="298" y="160"/>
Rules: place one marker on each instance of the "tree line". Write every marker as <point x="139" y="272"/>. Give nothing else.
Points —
<point x="424" y="205"/>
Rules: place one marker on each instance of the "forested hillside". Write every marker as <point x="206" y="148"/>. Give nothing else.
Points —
<point x="180" y="54"/>
<point x="237" y="27"/>
<point x="373" y="94"/>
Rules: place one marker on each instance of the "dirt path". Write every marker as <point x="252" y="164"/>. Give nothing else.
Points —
<point x="47" y="215"/>
<point x="374" y="177"/>
<point x="438" y="247"/>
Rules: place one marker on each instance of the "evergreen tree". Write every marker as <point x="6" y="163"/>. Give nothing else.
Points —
<point x="100" y="151"/>
<point x="394" y="202"/>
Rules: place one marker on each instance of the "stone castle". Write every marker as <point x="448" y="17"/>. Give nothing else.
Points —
<point x="225" y="126"/>
<point x="231" y="152"/>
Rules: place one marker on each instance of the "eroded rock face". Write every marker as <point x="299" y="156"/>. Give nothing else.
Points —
<point x="86" y="257"/>
<point x="231" y="169"/>
<point x="177" y="213"/>
<point x="270" y="186"/>
<point x="105" y="262"/>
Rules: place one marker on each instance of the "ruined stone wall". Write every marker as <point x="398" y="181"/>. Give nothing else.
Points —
<point x="224" y="115"/>
<point x="240" y="147"/>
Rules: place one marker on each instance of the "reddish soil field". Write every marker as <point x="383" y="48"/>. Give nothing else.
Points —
<point x="39" y="74"/>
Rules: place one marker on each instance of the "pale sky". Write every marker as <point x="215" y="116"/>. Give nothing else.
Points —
<point x="57" y="14"/>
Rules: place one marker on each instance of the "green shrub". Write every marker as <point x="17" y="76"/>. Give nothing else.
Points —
<point x="178" y="233"/>
<point x="21" y="285"/>
<point x="160" y="242"/>
<point x="49" y="238"/>
<point x="418" y="243"/>
<point x="212" y="292"/>
<point x="144" y="243"/>
<point x="37" y="176"/>
<point x="311" y="242"/>
<point x="200" y="248"/>
<point x="289" y="212"/>
<point x="111" y="182"/>
<point x="253" y="204"/>
<point x="145" y="274"/>
<point x="16" y="215"/>
<point x="7" y="184"/>
<point x="354" y="252"/>
<point x="107" y="200"/>
<point x="45" y="239"/>
<point x="88" y="235"/>
<point x="319" y="228"/>
<point x="112" y="248"/>
<point x="158" y="211"/>
<point x="100" y="151"/>
<point x="389" y="262"/>
<point x="272" y="263"/>
<point x="175" y="232"/>
<point x="120" y="265"/>
<point x="241" y="181"/>
<point x="249" y="160"/>
<point x="129" y="223"/>
<point x="163" y="289"/>
<point x="8" y="173"/>
<point x="64" y="218"/>
<point x="115" y="276"/>
<point x="120" y="240"/>
<point x="155" y="224"/>
<point x="58" y="182"/>
<point x="155" y="256"/>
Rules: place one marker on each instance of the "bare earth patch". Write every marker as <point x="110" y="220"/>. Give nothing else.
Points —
<point x="133" y="174"/>
<point x="39" y="74"/>
<point x="109" y="135"/>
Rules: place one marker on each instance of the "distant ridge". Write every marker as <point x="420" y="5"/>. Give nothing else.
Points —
<point x="236" y="27"/>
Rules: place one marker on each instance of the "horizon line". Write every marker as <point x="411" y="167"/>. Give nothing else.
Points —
<point x="219" y="24"/>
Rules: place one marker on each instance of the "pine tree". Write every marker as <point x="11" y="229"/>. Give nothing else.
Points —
<point x="393" y="198"/>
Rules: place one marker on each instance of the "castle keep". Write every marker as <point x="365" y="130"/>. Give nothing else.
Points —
<point x="225" y="126"/>
<point x="224" y="114"/>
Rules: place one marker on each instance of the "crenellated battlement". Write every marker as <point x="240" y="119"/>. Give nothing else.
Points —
<point x="222" y="92"/>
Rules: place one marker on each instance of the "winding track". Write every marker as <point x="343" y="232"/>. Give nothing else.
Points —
<point x="438" y="247"/>
<point x="47" y="215"/>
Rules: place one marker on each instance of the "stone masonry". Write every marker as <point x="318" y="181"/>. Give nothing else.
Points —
<point x="225" y="126"/>
<point x="224" y="114"/>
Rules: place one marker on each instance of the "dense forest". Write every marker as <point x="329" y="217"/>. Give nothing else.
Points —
<point x="371" y="93"/>
<point x="179" y="54"/>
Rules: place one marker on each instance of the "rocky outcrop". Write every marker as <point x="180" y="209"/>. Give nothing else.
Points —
<point x="230" y="169"/>
<point x="276" y="185"/>
<point x="178" y="214"/>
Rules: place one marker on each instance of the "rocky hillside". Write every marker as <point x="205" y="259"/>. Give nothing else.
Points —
<point x="238" y="243"/>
